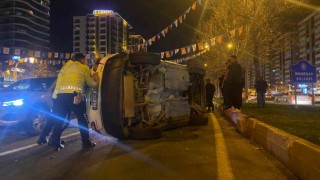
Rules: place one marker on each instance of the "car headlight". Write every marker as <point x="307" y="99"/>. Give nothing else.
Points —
<point x="18" y="102"/>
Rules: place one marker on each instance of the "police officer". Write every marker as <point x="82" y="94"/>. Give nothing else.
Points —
<point x="70" y="84"/>
<point x="50" y="122"/>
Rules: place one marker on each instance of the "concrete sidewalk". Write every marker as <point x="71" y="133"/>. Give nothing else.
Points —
<point x="214" y="151"/>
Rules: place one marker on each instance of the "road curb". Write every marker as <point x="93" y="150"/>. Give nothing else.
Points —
<point x="300" y="156"/>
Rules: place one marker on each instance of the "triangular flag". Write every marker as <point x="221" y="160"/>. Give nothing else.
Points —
<point x="37" y="54"/>
<point x="150" y="42"/>
<point x="183" y="51"/>
<point x="184" y="16"/>
<point x="180" y="19"/>
<point x="199" y="2"/>
<point x="188" y="49"/>
<point x="30" y="53"/>
<point x="67" y="56"/>
<point x="162" y="55"/>
<point x="21" y="60"/>
<point x="233" y="33"/>
<point x="158" y="36"/>
<point x="153" y="39"/>
<point x="53" y="62"/>
<point x="163" y="33"/>
<point x="188" y="10"/>
<point x="17" y="52"/>
<point x="166" y="30"/>
<point x="194" y="47"/>
<point x="176" y="51"/>
<point x="171" y="52"/>
<point x="170" y="26"/>
<point x="194" y="5"/>
<point x="167" y="54"/>
<point x="61" y="56"/>
<point x="200" y="46"/>
<point x="219" y="39"/>
<point x="56" y="55"/>
<point x="25" y="60"/>
<point x="10" y="63"/>
<point x="43" y="55"/>
<point x="176" y="23"/>
<point x="49" y="55"/>
<point x="36" y="61"/>
<point x="213" y="41"/>
<point x="6" y="50"/>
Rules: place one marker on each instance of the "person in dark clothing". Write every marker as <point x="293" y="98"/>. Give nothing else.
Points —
<point x="210" y="90"/>
<point x="221" y="86"/>
<point x="234" y="83"/>
<point x="261" y="88"/>
<point x="43" y="138"/>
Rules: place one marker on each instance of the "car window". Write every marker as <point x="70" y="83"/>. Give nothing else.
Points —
<point x="40" y="85"/>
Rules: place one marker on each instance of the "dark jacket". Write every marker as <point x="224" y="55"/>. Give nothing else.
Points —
<point x="210" y="89"/>
<point x="261" y="86"/>
<point x="234" y="78"/>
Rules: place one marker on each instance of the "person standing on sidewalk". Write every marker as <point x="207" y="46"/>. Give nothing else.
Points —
<point x="72" y="81"/>
<point x="261" y="88"/>
<point x="234" y="84"/>
<point x="210" y="90"/>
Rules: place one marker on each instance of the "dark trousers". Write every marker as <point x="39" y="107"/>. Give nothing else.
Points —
<point x="261" y="99"/>
<point x="224" y="95"/>
<point x="50" y="122"/>
<point x="235" y="97"/>
<point x="64" y="105"/>
<point x="209" y="103"/>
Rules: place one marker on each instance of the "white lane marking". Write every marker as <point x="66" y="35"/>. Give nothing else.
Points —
<point x="31" y="146"/>
<point x="223" y="162"/>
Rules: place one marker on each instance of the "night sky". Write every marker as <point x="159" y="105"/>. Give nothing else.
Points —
<point x="147" y="17"/>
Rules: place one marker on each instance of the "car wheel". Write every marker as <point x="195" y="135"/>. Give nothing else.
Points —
<point x="36" y="120"/>
<point x="144" y="58"/>
<point x="112" y="98"/>
<point x="144" y="132"/>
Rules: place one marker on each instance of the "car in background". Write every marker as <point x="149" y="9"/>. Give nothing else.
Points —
<point x="289" y="98"/>
<point x="27" y="102"/>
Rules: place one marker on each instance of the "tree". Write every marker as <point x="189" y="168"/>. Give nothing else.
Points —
<point x="263" y="20"/>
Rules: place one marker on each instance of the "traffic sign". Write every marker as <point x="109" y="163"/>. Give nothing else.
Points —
<point x="303" y="72"/>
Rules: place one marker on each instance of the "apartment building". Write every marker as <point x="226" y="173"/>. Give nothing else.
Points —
<point x="101" y="33"/>
<point x="309" y="40"/>
<point x="24" y="24"/>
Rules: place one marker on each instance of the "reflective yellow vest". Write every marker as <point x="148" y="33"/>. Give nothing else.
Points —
<point x="73" y="76"/>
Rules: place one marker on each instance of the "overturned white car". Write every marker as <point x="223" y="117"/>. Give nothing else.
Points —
<point x="139" y="96"/>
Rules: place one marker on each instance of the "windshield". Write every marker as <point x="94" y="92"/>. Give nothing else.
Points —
<point x="37" y="84"/>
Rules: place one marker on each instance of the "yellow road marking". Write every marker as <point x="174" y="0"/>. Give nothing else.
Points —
<point x="223" y="162"/>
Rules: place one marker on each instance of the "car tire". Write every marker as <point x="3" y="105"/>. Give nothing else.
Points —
<point x="36" y="119"/>
<point x="112" y="97"/>
<point x="145" y="133"/>
<point x="144" y="58"/>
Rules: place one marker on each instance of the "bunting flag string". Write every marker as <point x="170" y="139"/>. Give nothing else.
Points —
<point x="181" y="60"/>
<point x="175" y="23"/>
<point x="203" y="45"/>
<point x="13" y="55"/>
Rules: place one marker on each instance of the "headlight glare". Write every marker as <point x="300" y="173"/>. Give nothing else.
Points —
<point x="18" y="102"/>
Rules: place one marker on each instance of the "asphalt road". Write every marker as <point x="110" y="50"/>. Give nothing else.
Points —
<point x="213" y="151"/>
